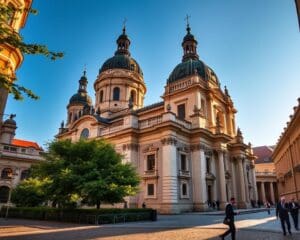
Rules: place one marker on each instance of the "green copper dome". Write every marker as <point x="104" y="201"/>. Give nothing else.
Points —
<point x="121" y="61"/>
<point x="81" y="98"/>
<point x="122" y="58"/>
<point x="191" y="64"/>
<point x="188" y="68"/>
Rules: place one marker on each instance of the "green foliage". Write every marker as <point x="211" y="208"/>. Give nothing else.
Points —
<point x="30" y="192"/>
<point x="87" y="171"/>
<point x="9" y="37"/>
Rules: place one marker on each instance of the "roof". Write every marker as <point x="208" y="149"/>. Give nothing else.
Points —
<point x="263" y="154"/>
<point x="123" y="62"/>
<point x="154" y="105"/>
<point x="25" y="143"/>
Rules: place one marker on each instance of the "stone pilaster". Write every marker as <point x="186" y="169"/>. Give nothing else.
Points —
<point x="214" y="172"/>
<point x="169" y="176"/>
<point x="222" y="180"/>
<point x="242" y="185"/>
<point x="246" y="181"/>
<point x="254" y="185"/>
<point x="233" y="178"/>
<point x="263" y="192"/>
<point x="199" y="178"/>
<point x="272" y="192"/>
<point x="131" y="156"/>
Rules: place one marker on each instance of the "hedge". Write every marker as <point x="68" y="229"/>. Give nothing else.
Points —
<point x="89" y="216"/>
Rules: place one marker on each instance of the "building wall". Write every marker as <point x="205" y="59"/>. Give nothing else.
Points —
<point x="287" y="157"/>
<point x="16" y="160"/>
<point x="10" y="57"/>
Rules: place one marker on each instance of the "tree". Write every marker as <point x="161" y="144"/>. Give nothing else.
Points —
<point x="9" y="37"/>
<point x="91" y="171"/>
<point x="30" y="193"/>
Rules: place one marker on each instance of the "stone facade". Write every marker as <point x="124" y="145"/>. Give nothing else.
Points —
<point x="16" y="157"/>
<point x="11" y="57"/>
<point x="186" y="148"/>
<point x="265" y="175"/>
<point x="286" y="157"/>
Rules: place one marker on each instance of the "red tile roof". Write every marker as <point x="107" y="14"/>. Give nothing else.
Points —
<point x="25" y="143"/>
<point x="263" y="154"/>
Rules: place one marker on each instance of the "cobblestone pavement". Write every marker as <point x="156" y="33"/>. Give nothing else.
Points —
<point x="192" y="226"/>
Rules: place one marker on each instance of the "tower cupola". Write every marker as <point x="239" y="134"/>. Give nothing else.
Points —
<point x="123" y="43"/>
<point x="189" y="45"/>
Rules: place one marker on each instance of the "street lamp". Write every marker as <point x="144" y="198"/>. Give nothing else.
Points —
<point x="9" y="194"/>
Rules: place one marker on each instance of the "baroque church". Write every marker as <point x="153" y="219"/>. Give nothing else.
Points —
<point x="185" y="148"/>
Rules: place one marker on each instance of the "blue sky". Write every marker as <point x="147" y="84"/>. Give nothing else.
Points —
<point x="253" y="46"/>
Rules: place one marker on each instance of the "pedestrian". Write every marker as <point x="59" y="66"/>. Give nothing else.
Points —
<point x="282" y="210"/>
<point x="229" y="220"/>
<point x="294" y="210"/>
<point x="144" y="205"/>
<point x="213" y="204"/>
<point x="218" y="204"/>
<point x="268" y="206"/>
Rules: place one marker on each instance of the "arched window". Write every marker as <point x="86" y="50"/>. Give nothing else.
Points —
<point x="85" y="133"/>
<point x="101" y="96"/>
<point x="4" y="192"/>
<point x="24" y="174"/>
<point x="133" y="96"/>
<point x="116" y="94"/>
<point x="7" y="173"/>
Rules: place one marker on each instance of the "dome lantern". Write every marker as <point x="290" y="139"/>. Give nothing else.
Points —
<point x="189" y="44"/>
<point x="81" y="97"/>
<point x="123" y="43"/>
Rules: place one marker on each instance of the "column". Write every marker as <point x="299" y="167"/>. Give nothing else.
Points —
<point x="246" y="180"/>
<point x="131" y="150"/>
<point x="242" y="192"/>
<point x="199" y="179"/>
<point x="263" y="192"/>
<point x="272" y="193"/>
<point x="233" y="178"/>
<point x="254" y="183"/>
<point x="214" y="172"/>
<point x="222" y="180"/>
<point x="169" y="176"/>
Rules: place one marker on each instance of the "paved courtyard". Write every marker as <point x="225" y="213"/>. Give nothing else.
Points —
<point x="186" y="227"/>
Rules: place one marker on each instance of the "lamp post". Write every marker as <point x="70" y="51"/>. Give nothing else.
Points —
<point x="9" y="195"/>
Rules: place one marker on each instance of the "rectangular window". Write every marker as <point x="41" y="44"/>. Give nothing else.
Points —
<point x="181" y="111"/>
<point x="183" y="162"/>
<point x="208" y="165"/>
<point x="150" y="162"/>
<point x="13" y="149"/>
<point x="150" y="189"/>
<point x="184" y="189"/>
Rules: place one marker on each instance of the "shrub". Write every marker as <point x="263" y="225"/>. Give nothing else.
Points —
<point x="89" y="216"/>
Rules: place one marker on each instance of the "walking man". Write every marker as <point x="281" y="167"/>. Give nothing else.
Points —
<point x="282" y="210"/>
<point x="229" y="220"/>
<point x="294" y="209"/>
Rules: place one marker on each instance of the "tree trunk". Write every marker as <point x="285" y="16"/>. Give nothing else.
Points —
<point x="98" y="204"/>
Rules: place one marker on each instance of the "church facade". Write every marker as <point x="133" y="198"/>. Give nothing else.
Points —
<point x="185" y="148"/>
